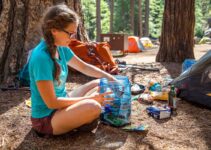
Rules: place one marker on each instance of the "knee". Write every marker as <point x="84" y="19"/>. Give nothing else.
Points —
<point x="93" y="107"/>
<point x="96" y="81"/>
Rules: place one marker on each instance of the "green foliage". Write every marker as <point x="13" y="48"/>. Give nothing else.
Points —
<point x="202" y="13"/>
<point x="105" y="17"/>
<point x="198" y="20"/>
<point x="121" y="23"/>
<point x="121" y="18"/>
<point x="156" y="17"/>
<point x="89" y="10"/>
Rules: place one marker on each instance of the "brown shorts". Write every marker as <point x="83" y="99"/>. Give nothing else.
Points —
<point x="43" y="125"/>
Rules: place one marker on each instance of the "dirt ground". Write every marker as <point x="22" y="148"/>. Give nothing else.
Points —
<point x="190" y="129"/>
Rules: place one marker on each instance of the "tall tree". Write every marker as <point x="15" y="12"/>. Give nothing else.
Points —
<point x="209" y="22"/>
<point x="19" y="31"/>
<point x="177" y="31"/>
<point x="98" y="19"/>
<point x="123" y="13"/>
<point x="140" y="17"/>
<point x="111" y="15"/>
<point x="132" y="15"/>
<point x="105" y="16"/>
<point x="146" y="21"/>
<point x="88" y="8"/>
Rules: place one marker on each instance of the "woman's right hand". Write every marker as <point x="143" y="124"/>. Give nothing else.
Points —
<point x="102" y="97"/>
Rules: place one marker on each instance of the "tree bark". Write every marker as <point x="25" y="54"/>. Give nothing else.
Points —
<point x="140" y="18"/>
<point x="177" y="37"/>
<point x="98" y="19"/>
<point x="146" y="21"/>
<point x="20" y="32"/>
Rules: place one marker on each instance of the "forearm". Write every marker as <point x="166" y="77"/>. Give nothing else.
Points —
<point x="62" y="102"/>
<point x="93" y="71"/>
<point x="88" y="69"/>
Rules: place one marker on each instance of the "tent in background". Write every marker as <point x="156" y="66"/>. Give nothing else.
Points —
<point x="146" y="42"/>
<point x="134" y="44"/>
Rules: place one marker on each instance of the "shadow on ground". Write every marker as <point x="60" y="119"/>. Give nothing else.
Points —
<point x="198" y="119"/>
<point x="174" y="69"/>
<point x="197" y="123"/>
<point x="190" y="129"/>
<point x="10" y="99"/>
<point x="105" y="138"/>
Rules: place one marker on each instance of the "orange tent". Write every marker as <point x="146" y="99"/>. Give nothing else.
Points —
<point x="134" y="44"/>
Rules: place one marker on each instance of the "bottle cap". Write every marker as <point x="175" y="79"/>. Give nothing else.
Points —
<point x="172" y="86"/>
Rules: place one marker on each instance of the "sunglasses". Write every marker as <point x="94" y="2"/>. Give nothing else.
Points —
<point x="71" y="35"/>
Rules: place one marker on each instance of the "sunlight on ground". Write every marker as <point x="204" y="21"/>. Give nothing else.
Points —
<point x="149" y="55"/>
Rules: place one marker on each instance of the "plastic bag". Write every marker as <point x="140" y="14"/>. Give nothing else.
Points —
<point x="117" y="113"/>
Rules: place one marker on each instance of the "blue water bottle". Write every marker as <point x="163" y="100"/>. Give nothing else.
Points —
<point x="104" y="87"/>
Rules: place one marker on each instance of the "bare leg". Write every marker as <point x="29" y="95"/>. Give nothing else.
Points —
<point x="74" y="116"/>
<point x="78" y="114"/>
<point x="84" y="89"/>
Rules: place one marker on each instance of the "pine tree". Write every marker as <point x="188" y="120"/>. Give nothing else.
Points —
<point x="156" y="17"/>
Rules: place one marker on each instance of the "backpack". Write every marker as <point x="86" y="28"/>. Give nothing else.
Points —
<point x="97" y="54"/>
<point x="23" y="75"/>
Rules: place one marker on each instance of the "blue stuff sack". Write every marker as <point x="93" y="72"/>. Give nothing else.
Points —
<point x="187" y="64"/>
<point x="117" y="112"/>
<point x="23" y="76"/>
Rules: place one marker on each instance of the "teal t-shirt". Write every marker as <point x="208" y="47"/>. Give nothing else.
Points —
<point x="41" y="67"/>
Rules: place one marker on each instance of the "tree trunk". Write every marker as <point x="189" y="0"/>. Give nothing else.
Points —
<point x="123" y="14"/>
<point x="132" y="15"/>
<point x="177" y="37"/>
<point x="146" y="22"/>
<point x="209" y="22"/>
<point x="111" y="15"/>
<point x="140" y="18"/>
<point x="19" y="32"/>
<point x="98" y="19"/>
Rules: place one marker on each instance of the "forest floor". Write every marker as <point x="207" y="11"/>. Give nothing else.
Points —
<point x="190" y="129"/>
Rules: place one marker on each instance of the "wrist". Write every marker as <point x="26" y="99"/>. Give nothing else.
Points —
<point x="111" y="78"/>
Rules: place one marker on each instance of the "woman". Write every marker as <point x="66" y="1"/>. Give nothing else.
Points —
<point x="54" y="111"/>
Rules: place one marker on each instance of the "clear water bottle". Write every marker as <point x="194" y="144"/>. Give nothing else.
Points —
<point x="104" y="87"/>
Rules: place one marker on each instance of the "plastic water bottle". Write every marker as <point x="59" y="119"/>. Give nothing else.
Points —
<point x="103" y="85"/>
<point x="104" y="88"/>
